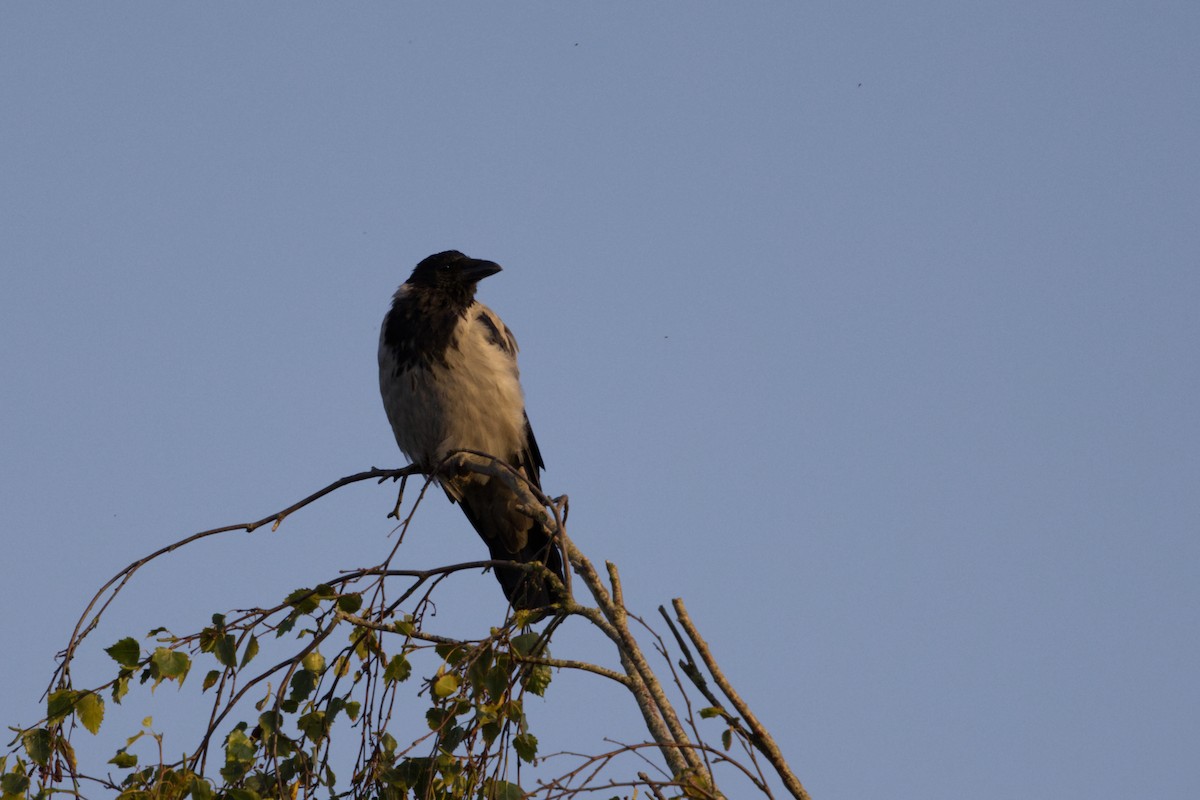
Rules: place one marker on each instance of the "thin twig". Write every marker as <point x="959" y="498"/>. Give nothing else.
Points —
<point x="651" y="786"/>
<point x="759" y="736"/>
<point x="122" y="577"/>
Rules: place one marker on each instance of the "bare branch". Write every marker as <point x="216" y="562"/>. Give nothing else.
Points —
<point x="84" y="626"/>
<point x="759" y="735"/>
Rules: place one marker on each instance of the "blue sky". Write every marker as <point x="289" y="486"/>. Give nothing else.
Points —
<point x="870" y="330"/>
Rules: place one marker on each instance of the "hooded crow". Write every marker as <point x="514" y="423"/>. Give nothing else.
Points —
<point x="449" y="380"/>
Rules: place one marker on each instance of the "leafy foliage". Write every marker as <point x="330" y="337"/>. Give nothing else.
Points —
<point x="353" y="657"/>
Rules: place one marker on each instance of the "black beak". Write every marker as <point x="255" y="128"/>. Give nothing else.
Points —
<point x="475" y="270"/>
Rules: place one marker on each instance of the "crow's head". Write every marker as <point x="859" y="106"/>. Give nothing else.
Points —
<point x="453" y="274"/>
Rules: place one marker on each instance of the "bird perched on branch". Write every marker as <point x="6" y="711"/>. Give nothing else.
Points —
<point x="449" y="380"/>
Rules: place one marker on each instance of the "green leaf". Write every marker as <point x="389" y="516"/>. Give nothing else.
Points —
<point x="450" y="653"/>
<point x="526" y="617"/>
<point x="364" y="643"/>
<point x="503" y="790"/>
<point x="59" y="705"/>
<point x="124" y="760"/>
<point x="284" y="748"/>
<point x="727" y="738"/>
<point x="251" y="650"/>
<point x="445" y="686"/>
<point x="302" y="684"/>
<point x="210" y="680"/>
<point x="312" y="725"/>
<point x="303" y="600"/>
<point x="270" y="721"/>
<point x="14" y="784"/>
<point x="415" y="774"/>
<point x="238" y="748"/>
<point x="498" y="677"/>
<point x="226" y="650"/>
<point x="478" y="669"/>
<point x="526" y="644"/>
<point x="218" y="620"/>
<point x="242" y="794"/>
<point x="314" y="662"/>
<point x="537" y="680"/>
<point x="38" y="744"/>
<point x="462" y="706"/>
<point x="341" y="666"/>
<point x="708" y="712"/>
<point x="334" y="707"/>
<point x="208" y="639"/>
<point x="170" y="665"/>
<point x="526" y="746"/>
<point x="452" y="738"/>
<point x="398" y="669"/>
<point x="349" y="603"/>
<point x="200" y="789"/>
<point x="90" y="708"/>
<point x="436" y="718"/>
<point x="352" y="710"/>
<point x="120" y="687"/>
<point x="126" y="652"/>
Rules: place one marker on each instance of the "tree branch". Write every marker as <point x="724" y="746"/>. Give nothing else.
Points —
<point x="759" y="735"/>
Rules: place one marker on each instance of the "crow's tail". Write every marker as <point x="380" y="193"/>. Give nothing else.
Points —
<point x="511" y="535"/>
<point x="529" y="589"/>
